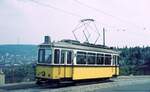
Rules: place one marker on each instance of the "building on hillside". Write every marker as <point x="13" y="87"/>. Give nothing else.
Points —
<point x="2" y="77"/>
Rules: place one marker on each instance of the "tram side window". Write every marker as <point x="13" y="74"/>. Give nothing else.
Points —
<point x="100" y="59"/>
<point x="91" y="58"/>
<point x="45" y="56"/>
<point x="56" y="56"/>
<point x="41" y="55"/>
<point x="81" y="58"/>
<point x="114" y="59"/>
<point x="108" y="59"/>
<point x="117" y="60"/>
<point x="48" y="56"/>
<point x="62" y="57"/>
<point x="69" y="57"/>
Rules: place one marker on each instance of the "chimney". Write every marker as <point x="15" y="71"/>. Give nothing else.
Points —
<point x="47" y="40"/>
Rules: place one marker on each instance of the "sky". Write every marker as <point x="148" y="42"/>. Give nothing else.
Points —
<point x="127" y="22"/>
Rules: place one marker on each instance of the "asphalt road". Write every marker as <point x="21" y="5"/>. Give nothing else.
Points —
<point x="120" y="84"/>
<point x="143" y="87"/>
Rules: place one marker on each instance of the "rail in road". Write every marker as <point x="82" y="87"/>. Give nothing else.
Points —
<point x="116" y="82"/>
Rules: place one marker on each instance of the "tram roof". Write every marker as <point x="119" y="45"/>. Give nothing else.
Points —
<point x="72" y="44"/>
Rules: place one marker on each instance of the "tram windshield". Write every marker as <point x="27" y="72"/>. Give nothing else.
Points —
<point x="45" y="56"/>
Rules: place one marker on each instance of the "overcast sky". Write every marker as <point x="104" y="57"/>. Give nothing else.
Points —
<point x="26" y="22"/>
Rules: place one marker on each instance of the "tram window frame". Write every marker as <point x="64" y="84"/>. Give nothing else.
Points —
<point x="65" y="58"/>
<point x="100" y="57"/>
<point x="41" y="56"/>
<point x="81" y="58"/>
<point x="91" y="58"/>
<point x="56" y="56"/>
<point x="117" y="60"/>
<point x="63" y="55"/>
<point x="48" y="56"/>
<point x="114" y="59"/>
<point x="45" y="56"/>
<point x="108" y="59"/>
<point x="69" y="57"/>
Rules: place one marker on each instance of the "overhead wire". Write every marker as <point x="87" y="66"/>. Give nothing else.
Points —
<point x="79" y="16"/>
<point x="74" y="14"/>
<point x="64" y="11"/>
<point x="105" y="13"/>
<point x="56" y="8"/>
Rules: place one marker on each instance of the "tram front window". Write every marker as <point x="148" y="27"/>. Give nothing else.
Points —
<point x="45" y="56"/>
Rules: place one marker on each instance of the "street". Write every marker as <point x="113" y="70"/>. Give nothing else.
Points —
<point x="120" y="84"/>
<point x="143" y="87"/>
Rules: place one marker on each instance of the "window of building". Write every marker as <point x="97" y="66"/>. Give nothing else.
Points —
<point x="91" y="58"/>
<point x="81" y="57"/>
<point x="100" y="59"/>
<point x="108" y="59"/>
<point x="56" y="56"/>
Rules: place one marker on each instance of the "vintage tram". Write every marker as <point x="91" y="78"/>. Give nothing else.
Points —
<point x="72" y="60"/>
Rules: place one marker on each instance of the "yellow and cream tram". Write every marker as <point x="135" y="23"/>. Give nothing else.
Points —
<point x="72" y="60"/>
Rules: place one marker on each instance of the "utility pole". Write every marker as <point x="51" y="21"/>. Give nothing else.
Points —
<point x="103" y="36"/>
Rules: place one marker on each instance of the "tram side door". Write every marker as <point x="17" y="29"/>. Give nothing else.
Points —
<point x="67" y="65"/>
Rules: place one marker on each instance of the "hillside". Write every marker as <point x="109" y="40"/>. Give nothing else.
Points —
<point x="20" y="59"/>
<point x="27" y="50"/>
<point x="135" y="60"/>
<point x="132" y="60"/>
<point x="17" y="54"/>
